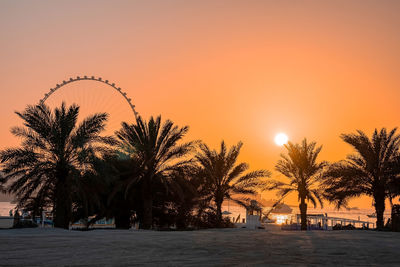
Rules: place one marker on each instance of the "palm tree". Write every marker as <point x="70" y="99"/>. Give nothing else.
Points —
<point x="224" y="179"/>
<point x="2" y="189"/>
<point x="301" y="167"/>
<point x="155" y="146"/>
<point x="394" y="182"/>
<point x="185" y="198"/>
<point x="123" y="197"/>
<point x="55" y="153"/>
<point x="371" y="171"/>
<point x="176" y="206"/>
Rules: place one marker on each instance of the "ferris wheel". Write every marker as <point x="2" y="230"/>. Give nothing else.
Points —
<point x="94" y="95"/>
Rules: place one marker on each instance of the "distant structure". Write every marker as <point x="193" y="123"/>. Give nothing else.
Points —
<point x="282" y="208"/>
<point x="91" y="78"/>
<point x="253" y="215"/>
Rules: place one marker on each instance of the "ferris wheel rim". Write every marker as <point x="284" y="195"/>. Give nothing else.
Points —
<point x="95" y="79"/>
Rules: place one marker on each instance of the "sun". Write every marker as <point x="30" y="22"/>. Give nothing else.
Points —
<point x="281" y="139"/>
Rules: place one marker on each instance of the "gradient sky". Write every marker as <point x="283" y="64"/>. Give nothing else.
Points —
<point x="232" y="70"/>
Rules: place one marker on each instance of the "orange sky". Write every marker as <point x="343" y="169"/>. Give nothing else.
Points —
<point x="233" y="70"/>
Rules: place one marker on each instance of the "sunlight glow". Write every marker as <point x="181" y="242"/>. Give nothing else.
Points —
<point x="281" y="218"/>
<point x="281" y="139"/>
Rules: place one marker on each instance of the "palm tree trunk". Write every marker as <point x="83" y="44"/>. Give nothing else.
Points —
<point x="62" y="214"/>
<point x="122" y="213"/>
<point x="303" y="214"/>
<point x="147" y="197"/>
<point x="379" y="198"/>
<point x="147" y="213"/>
<point x="63" y="206"/>
<point x="183" y="214"/>
<point x="219" y="213"/>
<point x="122" y="220"/>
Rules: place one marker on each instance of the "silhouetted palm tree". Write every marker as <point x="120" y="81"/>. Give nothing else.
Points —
<point x="55" y="153"/>
<point x="155" y="146"/>
<point x="371" y="171"/>
<point x="2" y="189"/>
<point x="124" y="198"/>
<point x="185" y="198"/>
<point x="224" y="179"/>
<point x="301" y="167"/>
<point x="176" y="206"/>
<point x="394" y="181"/>
<point x="91" y="194"/>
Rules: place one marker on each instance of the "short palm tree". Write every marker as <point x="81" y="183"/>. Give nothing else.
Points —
<point x="304" y="172"/>
<point x="55" y="153"/>
<point x="371" y="171"/>
<point x="223" y="178"/>
<point x="155" y="145"/>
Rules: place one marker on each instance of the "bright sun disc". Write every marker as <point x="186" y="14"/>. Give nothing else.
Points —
<point x="281" y="139"/>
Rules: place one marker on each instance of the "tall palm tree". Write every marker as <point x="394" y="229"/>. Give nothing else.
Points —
<point x="2" y="189"/>
<point x="304" y="172"/>
<point x="55" y="153"/>
<point x="123" y="197"/>
<point x="371" y="171"/>
<point x="224" y="179"/>
<point x="155" y="146"/>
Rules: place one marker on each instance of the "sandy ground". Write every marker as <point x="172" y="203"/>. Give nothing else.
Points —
<point x="223" y="247"/>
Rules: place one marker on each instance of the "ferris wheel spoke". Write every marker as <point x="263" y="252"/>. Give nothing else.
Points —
<point x="95" y="101"/>
<point x="92" y="78"/>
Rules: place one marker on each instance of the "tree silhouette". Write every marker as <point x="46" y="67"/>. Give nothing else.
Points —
<point x="224" y="179"/>
<point x="301" y="167"/>
<point x="155" y="146"/>
<point x="54" y="156"/>
<point x="371" y="171"/>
